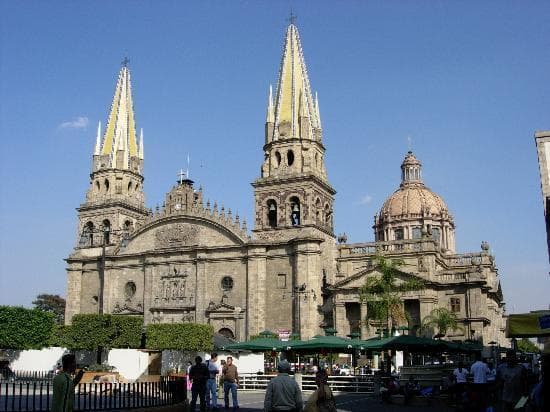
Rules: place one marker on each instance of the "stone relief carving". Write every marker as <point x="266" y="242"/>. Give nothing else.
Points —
<point x="174" y="290"/>
<point x="126" y="308"/>
<point x="177" y="234"/>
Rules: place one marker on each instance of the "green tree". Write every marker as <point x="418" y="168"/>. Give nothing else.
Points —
<point x="526" y="346"/>
<point x="51" y="303"/>
<point x="383" y="293"/>
<point x="441" y="319"/>
<point x="180" y="336"/>
<point x="22" y="328"/>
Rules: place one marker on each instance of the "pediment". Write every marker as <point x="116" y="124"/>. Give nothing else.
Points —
<point x="181" y="231"/>
<point x="358" y="279"/>
<point x="221" y="307"/>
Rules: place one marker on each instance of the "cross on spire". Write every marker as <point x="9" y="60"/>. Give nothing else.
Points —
<point x="125" y="61"/>
<point x="181" y="174"/>
<point x="292" y="18"/>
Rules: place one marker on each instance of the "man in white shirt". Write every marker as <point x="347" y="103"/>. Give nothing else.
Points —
<point x="480" y="370"/>
<point x="212" y="382"/>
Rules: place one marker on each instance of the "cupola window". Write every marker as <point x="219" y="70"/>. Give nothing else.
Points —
<point x="416" y="232"/>
<point x="436" y="235"/>
<point x="295" y="211"/>
<point x="399" y="234"/>
<point x="272" y="213"/>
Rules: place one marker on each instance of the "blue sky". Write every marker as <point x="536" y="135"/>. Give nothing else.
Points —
<point x="468" y="82"/>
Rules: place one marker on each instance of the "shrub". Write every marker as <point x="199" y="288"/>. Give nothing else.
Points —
<point x="180" y="336"/>
<point x="22" y="328"/>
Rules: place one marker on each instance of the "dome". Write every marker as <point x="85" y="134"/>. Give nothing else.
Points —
<point x="413" y="200"/>
<point x="413" y="211"/>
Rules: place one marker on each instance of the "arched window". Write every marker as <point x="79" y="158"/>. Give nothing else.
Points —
<point x="272" y="213"/>
<point x="129" y="186"/>
<point x="128" y="225"/>
<point x="106" y="231"/>
<point x="97" y="185"/>
<point x="106" y="184"/>
<point x="87" y="236"/>
<point x="295" y="218"/>
<point x="278" y="158"/>
<point x="416" y="232"/>
<point x="290" y="157"/>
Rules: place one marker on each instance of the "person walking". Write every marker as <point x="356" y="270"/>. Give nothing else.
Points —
<point x="283" y="393"/>
<point x="479" y="371"/>
<point x="63" y="384"/>
<point x="212" y="383"/>
<point x="460" y="375"/>
<point x="513" y="378"/>
<point x="199" y="376"/>
<point x="230" y="383"/>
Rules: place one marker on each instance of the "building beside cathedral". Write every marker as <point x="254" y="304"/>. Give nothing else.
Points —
<point x="192" y="261"/>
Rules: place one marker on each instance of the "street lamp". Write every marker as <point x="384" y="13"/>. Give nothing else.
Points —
<point x="295" y="294"/>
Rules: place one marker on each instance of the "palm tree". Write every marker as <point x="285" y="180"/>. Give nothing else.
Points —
<point x="442" y="319"/>
<point x="382" y="294"/>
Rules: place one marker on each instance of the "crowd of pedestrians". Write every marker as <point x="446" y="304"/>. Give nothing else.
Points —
<point x="510" y="386"/>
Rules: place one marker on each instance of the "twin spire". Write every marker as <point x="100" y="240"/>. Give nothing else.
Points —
<point x="294" y="113"/>
<point x="119" y="147"/>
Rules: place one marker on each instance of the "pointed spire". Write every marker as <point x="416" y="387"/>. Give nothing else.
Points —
<point x="270" y="118"/>
<point x="141" y="144"/>
<point x="294" y="97"/>
<point x="317" y="112"/>
<point x="120" y="133"/>
<point x="97" y="148"/>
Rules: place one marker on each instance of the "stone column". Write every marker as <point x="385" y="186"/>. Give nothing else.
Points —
<point x="74" y="290"/>
<point x="256" y="274"/>
<point x="149" y="292"/>
<point x="364" y="329"/>
<point x="308" y="273"/>
<point x="340" y="321"/>
<point x="201" y="288"/>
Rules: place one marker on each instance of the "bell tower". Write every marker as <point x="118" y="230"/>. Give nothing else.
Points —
<point x="293" y="190"/>
<point x="114" y="202"/>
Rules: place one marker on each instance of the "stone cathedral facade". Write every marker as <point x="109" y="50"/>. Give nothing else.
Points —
<point x="192" y="261"/>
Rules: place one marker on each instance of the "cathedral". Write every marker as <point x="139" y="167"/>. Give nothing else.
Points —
<point x="193" y="261"/>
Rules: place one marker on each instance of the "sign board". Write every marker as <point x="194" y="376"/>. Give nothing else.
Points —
<point x="284" y="334"/>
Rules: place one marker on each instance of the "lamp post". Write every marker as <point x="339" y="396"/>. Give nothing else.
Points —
<point x="295" y="294"/>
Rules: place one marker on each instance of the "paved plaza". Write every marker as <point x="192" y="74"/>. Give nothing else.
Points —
<point x="253" y="402"/>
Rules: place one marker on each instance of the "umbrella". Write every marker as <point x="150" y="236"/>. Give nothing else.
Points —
<point x="329" y="343"/>
<point x="402" y="342"/>
<point x="256" y="345"/>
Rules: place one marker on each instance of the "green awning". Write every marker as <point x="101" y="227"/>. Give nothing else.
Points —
<point x="256" y="345"/>
<point x="319" y="343"/>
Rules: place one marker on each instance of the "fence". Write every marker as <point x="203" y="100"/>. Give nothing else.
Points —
<point x="357" y="383"/>
<point x="37" y="396"/>
<point x="7" y="375"/>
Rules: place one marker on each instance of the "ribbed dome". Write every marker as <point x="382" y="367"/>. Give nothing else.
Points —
<point x="413" y="199"/>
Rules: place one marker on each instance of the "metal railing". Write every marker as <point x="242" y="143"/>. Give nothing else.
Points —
<point x="357" y="383"/>
<point x="37" y="396"/>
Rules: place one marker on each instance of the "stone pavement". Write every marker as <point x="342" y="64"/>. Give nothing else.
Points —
<point x="253" y="402"/>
